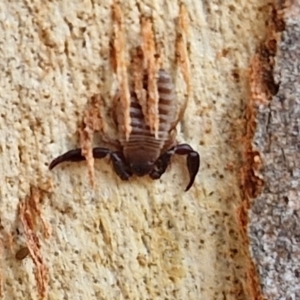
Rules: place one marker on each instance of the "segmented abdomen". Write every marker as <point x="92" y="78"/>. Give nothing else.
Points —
<point x="141" y="136"/>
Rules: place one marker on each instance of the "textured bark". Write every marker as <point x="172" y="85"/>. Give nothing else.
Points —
<point x="140" y="239"/>
<point x="275" y="214"/>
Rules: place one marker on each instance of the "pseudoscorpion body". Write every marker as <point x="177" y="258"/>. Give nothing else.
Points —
<point x="143" y="153"/>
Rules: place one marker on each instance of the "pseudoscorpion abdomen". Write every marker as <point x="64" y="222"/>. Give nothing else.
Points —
<point x="141" y="133"/>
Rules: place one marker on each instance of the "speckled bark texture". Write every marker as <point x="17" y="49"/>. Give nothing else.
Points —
<point x="140" y="239"/>
<point x="275" y="215"/>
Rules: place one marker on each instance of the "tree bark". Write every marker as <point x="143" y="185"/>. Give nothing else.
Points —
<point x="275" y="214"/>
<point x="140" y="239"/>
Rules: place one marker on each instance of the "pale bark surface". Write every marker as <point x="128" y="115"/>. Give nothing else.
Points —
<point x="140" y="239"/>
<point x="275" y="215"/>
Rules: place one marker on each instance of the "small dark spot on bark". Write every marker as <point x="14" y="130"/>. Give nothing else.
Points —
<point x="22" y="253"/>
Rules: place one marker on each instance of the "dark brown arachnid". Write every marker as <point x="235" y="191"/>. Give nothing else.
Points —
<point x="143" y="153"/>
